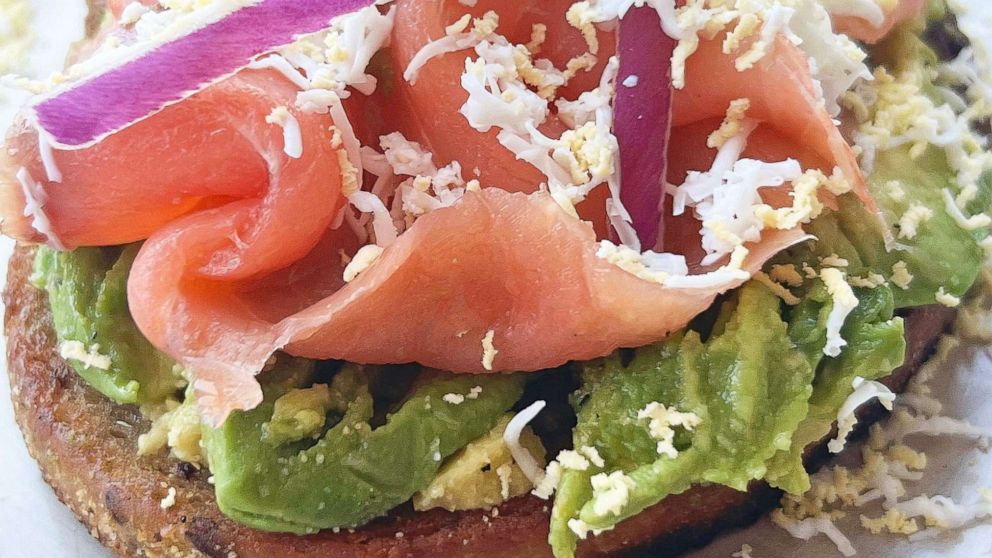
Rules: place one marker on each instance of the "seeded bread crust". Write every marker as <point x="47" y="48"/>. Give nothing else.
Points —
<point x="86" y="448"/>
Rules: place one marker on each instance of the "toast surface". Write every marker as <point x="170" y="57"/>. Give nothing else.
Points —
<point x="86" y="447"/>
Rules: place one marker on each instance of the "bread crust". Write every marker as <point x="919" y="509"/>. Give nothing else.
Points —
<point x="86" y="448"/>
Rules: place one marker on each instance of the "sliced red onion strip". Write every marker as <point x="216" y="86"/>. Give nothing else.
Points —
<point x="643" y="118"/>
<point x="96" y="107"/>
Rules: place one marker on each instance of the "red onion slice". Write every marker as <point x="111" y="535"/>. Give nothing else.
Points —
<point x="643" y="118"/>
<point x="91" y="109"/>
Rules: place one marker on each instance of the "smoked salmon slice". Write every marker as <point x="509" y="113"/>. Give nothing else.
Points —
<point x="202" y="153"/>
<point x="780" y="86"/>
<point x="240" y="259"/>
<point x="429" y="108"/>
<point x="511" y="263"/>
<point x="792" y="119"/>
<point x="512" y="268"/>
<point x="209" y="184"/>
<point x="869" y="32"/>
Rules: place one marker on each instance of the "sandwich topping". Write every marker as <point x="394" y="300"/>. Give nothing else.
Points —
<point x="350" y="254"/>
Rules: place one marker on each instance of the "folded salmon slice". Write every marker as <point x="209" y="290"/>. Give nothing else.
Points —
<point x="780" y="86"/>
<point x="864" y="30"/>
<point x="239" y="260"/>
<point x="792" y="119"/>
<point x="207" y="182"/>
<point x="510" y="267"/>
<point x="202" y="153"/>
<point x="428" y="109"/>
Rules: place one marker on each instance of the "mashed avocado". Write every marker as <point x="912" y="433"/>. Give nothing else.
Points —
<point x="758" y="387"/>
<point x="357" y="469"/>
<point x="298" y="414"/>
<point x="87" y="293"/>
<point x="940" y="255"/>
<point x="482" y="474"/>
<point x="746" y="411"/>
<point x="175" y="425"/>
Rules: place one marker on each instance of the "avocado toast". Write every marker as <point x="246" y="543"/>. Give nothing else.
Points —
<point x="676" y="388"/>
<point x="86" y="445"/>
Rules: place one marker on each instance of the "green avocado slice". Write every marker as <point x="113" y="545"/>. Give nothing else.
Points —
<point x="87" y="293"/>
<point x="876" y="345"/>
<point x="352" y="472"/>
<point x="748" y="411"/>
<point x="940" y="255"/>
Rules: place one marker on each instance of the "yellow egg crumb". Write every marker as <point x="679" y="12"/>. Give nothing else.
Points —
<point x="946" y="298"/>
<point x="731" y="125"/>
<point x="787" y="274"/>
<point x="892" y="521"/>
<point x="777" y="288"/>
<point x="901" y="277"/>
<point x="489" y="351"/>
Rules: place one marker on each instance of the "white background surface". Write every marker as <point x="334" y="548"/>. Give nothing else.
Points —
<point x="33" y="524"/>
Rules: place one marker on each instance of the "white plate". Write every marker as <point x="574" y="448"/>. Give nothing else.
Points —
<point x="33" y="523"/>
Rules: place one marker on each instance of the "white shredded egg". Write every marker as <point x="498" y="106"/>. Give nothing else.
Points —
<point x="521" y="455"/>
<point x="844" y="302"/>
<point x="864" y="391"/>
<point x="361" y="261"/>
<point x="89" y="358"/>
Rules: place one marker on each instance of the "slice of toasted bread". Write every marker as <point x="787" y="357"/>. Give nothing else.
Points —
<point x="86" y="447"/>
